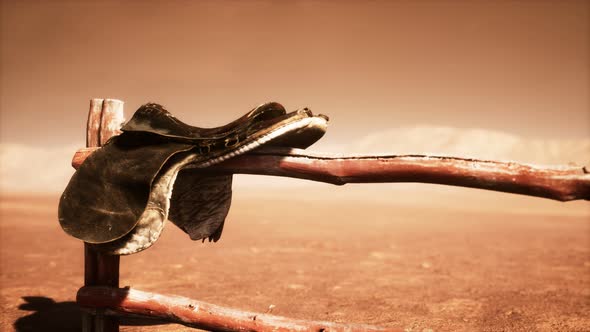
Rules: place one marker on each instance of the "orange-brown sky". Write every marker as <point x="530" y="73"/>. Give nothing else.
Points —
<point x="516" y="66"/>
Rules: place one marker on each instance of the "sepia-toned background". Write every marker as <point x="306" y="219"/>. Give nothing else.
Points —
<point x="505" y="80"/>
<point x="497" y="79"/>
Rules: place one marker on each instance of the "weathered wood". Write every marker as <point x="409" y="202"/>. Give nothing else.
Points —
<point x="81" y="155"/>
<point x="93" y="124"/>
<point x="202" y="315"/>
<point x="562" y="183"/>
<point x="90" y="273"/>
<point x="112" y="118"/>
<point x="101" y="269"/>
<point x="90" y="257"/>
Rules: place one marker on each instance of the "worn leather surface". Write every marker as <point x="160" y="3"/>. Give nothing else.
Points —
<point x="122" y="195"/>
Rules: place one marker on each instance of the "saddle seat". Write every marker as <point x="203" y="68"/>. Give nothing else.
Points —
<point x="154" y="119"/>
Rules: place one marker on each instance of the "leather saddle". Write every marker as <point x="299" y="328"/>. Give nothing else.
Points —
<point x="121" y="196"/>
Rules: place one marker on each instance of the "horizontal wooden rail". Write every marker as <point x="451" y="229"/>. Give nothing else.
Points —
<point x="201" y="315"/>
<point x="562" y="183"/>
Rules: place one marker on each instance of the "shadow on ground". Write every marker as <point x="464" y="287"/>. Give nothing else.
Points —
<point x="48" y="315"/>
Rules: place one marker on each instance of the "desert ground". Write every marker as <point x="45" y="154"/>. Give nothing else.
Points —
<point x="515" y="265"/>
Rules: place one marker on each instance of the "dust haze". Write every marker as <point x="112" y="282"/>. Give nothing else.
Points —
<point x="503" y="80"/>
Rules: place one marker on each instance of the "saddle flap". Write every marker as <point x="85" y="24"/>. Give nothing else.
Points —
<point x="200" y="204"/>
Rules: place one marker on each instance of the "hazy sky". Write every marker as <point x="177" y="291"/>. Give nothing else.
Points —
<point x="515" y="66"/>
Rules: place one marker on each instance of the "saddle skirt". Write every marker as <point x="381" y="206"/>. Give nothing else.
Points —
<point x="121" y="196"/>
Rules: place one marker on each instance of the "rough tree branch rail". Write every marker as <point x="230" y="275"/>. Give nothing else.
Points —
<point x="562" y="183"/>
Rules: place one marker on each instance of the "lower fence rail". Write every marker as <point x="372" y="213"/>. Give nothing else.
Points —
<point x="202" y="315"/>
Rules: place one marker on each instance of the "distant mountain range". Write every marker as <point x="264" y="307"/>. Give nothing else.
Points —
<point x="474" y="143"/>
<point x="39" y="169"/>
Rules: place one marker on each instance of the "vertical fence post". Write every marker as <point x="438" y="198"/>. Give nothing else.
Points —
<point x="104" y="120"/>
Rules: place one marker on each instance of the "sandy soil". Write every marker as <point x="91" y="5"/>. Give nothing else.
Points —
<point x="418" y="268"/>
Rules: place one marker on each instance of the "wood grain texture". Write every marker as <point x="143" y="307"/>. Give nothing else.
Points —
<point x="112" y="118"/>
<point x="101" y="269"/>
<point x="93" y="124"/>
<point x="562" y="183"/>
<point x="202" y="315"/>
